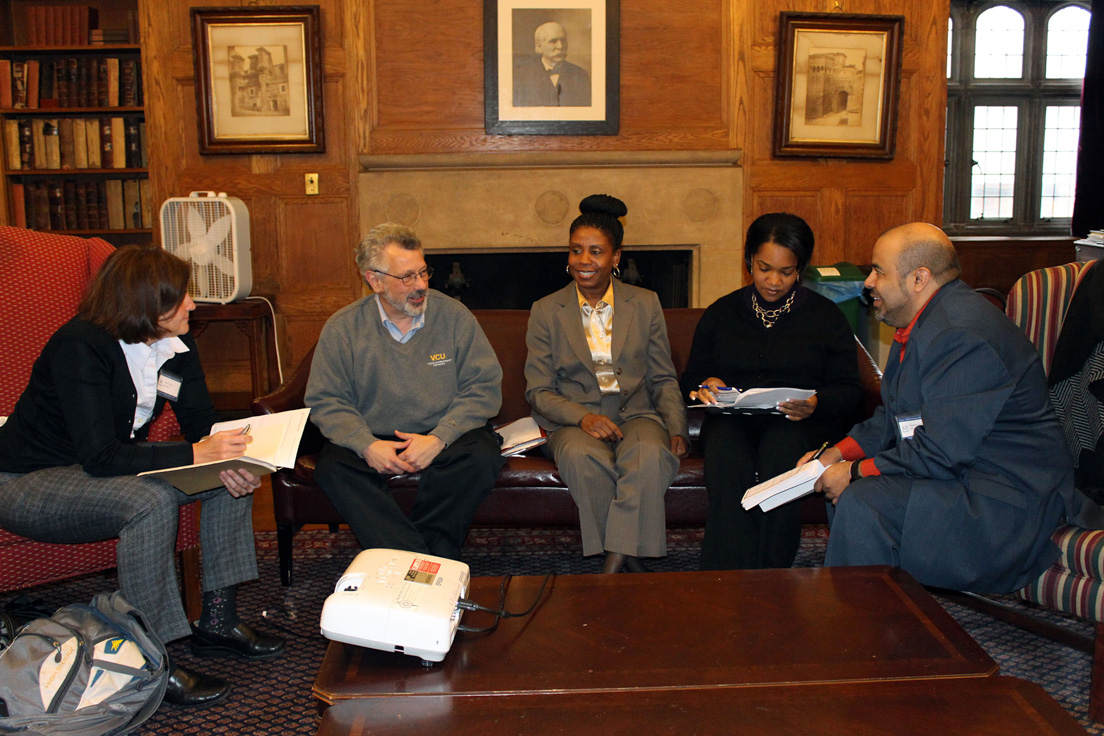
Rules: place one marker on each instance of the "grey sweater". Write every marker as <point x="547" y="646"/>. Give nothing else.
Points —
<point x="364" y="384"/>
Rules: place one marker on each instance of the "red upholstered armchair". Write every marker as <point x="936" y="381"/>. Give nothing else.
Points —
<point x="42" y="279"/>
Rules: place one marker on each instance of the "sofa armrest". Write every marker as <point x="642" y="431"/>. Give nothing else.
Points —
<point x="289" y="394"/>
<point x="871" y="378"/>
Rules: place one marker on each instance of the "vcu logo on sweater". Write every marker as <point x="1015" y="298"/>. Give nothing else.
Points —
<point x="439" y="359"/>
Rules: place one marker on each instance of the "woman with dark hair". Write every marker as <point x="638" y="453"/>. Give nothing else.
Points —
<point x="771" y="333"/>
<point x="600" y="380"/>
<point x="76" y="440"/>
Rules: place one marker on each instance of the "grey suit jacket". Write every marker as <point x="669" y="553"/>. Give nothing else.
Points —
<point x="559" y="372"/>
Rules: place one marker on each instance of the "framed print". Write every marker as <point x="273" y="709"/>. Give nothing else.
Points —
<point x="258" y="79"/>
<point x="551" y="67"/>
<point x="838" y="78"/>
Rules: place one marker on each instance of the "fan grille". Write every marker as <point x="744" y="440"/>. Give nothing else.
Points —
<point x="190" y="231"/>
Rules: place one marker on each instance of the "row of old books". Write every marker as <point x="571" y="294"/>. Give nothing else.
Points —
<point x="64" y="204"/>
<point x="75" y="143"/>
<point x="60" y="25"/>
<point x="92" y="81"/>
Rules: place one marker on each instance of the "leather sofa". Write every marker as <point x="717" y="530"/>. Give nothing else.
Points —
<point x="529" y="491"/>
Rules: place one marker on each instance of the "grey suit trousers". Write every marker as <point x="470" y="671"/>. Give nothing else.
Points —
<point x="66" y="505"/>
<point x="618" y="486"/>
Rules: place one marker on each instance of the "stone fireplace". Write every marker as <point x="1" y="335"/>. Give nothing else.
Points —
<point x="683" y="205"/>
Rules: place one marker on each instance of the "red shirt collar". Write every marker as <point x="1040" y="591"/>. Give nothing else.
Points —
<point x="902" y="333"/>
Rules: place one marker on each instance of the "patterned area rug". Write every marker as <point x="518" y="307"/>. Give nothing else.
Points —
<point x="275" y="697"/>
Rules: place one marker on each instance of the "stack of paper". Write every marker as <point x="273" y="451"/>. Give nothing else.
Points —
<point x="758" y="398"/>
<point x="783" y="488"/>
<point x="518" y="436"/>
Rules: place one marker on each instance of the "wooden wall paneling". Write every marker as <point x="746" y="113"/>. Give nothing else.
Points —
<point x="267" y="183"/>
<point x="996" y="263"/>
<point x="867" y="215"/>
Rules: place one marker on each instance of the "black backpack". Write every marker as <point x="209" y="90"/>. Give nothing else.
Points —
<point x="88" y="670"/>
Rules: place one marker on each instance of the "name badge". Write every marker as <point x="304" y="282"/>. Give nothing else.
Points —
<point x="169" y="385"/>
<point x="907" y="424"/>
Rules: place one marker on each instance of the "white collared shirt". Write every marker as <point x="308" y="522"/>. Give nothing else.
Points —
<point x="144" y="362"/>
<point x="598" y="327"/>
<point x="393" y="329"/>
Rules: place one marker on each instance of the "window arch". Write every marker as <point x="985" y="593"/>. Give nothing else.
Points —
<point x="999" y="44"/>
<point x="1013" y="118"/>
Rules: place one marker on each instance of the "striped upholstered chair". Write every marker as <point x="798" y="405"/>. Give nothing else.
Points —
<point x="42" y="279"/>
<point x="1038" y="303"/>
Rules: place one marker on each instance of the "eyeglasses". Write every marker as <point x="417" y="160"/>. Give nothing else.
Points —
<point x="409" y="279"/>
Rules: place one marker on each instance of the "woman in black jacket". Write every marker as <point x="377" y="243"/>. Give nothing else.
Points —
<point x="771" y="333"/>
<point x="76" y="440"/>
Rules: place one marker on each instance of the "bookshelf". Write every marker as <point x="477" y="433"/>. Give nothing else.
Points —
<point x="72" y="121"/>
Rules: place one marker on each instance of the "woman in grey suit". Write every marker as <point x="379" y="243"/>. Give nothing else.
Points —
<point x="600" y="380"/>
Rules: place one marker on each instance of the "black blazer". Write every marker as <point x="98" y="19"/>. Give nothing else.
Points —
<point x="78" y="409"/>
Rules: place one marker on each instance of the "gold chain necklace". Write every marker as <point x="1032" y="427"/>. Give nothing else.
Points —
<point x="770" y="316"/>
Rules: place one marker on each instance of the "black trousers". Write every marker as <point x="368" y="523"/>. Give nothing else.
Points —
<point x="740" y="451"/>
<point x="449" y="492"/>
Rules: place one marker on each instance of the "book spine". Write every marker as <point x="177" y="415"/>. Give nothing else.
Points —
<point x="118" y="144"/>
<point x="133" y="144"/>
<point x="39" y="157"/>
<point x="19" y="205"/>
<point x="112" y="82"/>
<point x="12" y="160"/>
<point x="101" y="82"/>
<point x="129" y="85"/>
<point x="101" y="199"/>
<point x="47" y="94"/>
<point x="142" y="144"/>
<point x="32" y="84"/>
<point x="26" y="145"/>
<point x="115" y="218"/>
<point x="57" y="205"/>
<point x="132" y="207"/>
<point x="61" y="83"/>
<point x="82" y="206"/>
<point x="5" y="84"/>
<point x="68" y="148"/>
<point x="53" y="143"/>
<point x="69" y="194"/>
<point x="85" y="95"/>
<point x="19" y="84"/>
<point x="107" y="156"/>
<point x="92" y="133"/>
<point x="80" y="143"/>
<point x="146" y="202"/>
<point x="40" y="207"/>
<point x="72" y="71"/>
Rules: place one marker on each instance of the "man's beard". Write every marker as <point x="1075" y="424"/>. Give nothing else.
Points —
<point x="405" y="306"/>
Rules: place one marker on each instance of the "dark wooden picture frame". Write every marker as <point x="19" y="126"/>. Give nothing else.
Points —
<point x="838" y="80"/>
<point x="259" y="79"/>
<point x="521" y="97"/>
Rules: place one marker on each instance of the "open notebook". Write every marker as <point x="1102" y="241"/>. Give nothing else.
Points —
<point x="275" y="445"/>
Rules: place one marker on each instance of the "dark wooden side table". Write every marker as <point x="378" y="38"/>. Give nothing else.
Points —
<point x="253" y="319"/>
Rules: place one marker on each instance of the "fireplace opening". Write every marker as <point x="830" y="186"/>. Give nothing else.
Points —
<point x="516" y="280"/>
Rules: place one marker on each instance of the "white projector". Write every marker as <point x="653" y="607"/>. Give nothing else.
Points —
<point x="397" y="601"/>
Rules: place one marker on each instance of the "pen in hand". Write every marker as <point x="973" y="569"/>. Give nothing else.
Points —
<point x="246" y="428"/>
<point x="818" y="453"/>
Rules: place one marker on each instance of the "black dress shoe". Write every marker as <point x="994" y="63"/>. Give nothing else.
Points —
<point x="195" y="689"/>
<point x="634" y="564"/>
<point x="243" y="640"/>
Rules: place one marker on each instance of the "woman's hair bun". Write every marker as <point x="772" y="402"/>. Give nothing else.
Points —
<point x="603" y="204"/>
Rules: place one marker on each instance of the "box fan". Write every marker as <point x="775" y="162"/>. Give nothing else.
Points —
<point x="211" y="232"/>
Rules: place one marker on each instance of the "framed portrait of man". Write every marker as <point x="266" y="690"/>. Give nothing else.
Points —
<point x="551" y="70"/>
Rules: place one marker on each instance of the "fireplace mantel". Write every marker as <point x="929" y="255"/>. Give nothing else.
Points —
<point x="526" y="200"/>
<point x="548" y="160"/>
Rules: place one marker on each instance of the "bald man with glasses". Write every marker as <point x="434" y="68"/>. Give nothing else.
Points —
<point x="404" y="381"/>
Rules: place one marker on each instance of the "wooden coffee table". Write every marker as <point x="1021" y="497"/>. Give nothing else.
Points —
<point x="979" y="705"/>
<point x="609" y="633"/>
